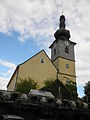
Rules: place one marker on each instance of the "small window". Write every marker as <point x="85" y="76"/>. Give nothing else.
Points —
<point x="67" y="65"/>
<point x="67" y="82"/>
<point x="42" y="60"/>
<point x="66" y="50"/>
<point x="54" y="51"/>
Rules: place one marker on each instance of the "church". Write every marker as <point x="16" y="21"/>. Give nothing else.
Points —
<point x="41" y="68"/>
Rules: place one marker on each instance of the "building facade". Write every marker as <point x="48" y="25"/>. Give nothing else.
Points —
<point x="41" y="68"/>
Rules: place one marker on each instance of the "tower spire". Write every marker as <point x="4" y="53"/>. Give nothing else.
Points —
<point x="62" y="21"/>
<point x="62" y="32"/>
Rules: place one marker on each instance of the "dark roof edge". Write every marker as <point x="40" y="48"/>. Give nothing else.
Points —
<point x="61" y="39"/>
<point x="73" y="42"/>
<point x="67" y="74"/>
<point x="50" y="60"/>
<point x="13" y="75"/>
<point x="36" y="55"/>
<point x="31" y="57"/>
<point x="63" y="58"/>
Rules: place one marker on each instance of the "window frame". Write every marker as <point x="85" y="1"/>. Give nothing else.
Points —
<point x="67" y="65"/>
<point x="42" y="60"/>
<point x="66" y="50"/>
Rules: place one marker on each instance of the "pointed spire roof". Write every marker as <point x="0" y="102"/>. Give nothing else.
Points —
<point x="62" y="22"/>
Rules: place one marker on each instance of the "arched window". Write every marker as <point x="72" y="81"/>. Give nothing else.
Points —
<point x="42" y="60"/>
<point x="66" y="50"/>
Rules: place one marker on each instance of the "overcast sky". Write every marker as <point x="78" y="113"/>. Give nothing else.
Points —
<point x="27" y="26"/>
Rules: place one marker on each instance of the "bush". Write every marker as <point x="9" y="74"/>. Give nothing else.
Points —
<point x="53" y="87"/>
<point x="25" y="85"/>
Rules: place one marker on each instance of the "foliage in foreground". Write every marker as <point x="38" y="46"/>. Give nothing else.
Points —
<point x="26" y="85"/>
<point x="87" y="91"/>
<point x="66" y="91"/>
<point x="72" y="91"/>
<point x="87" y="88"/>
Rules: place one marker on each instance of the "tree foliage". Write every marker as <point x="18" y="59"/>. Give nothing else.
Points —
<point x="72" y="91"/>
<point x="67" y="91"/>
<point x="87" y="91"/>
<point x="87" y="88"/>
<point x="48" y="82"/>
<point x="25" y="85"/>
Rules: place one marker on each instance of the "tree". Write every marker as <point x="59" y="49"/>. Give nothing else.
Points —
<point x="48" y="82"/>
<point x="25" y="85"/>
<point x="72" y="90"/>
<point x="87" y="90"/>
<point x="66" y="90"/>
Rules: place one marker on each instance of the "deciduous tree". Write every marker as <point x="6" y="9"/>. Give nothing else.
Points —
<point x="25" y="85"/>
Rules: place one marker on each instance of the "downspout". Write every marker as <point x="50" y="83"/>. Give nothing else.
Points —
<point x="57" y="73"/>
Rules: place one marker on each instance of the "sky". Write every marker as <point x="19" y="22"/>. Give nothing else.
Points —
<point x="28" y="26"/>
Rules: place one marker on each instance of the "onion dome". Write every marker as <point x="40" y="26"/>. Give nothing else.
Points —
<point x="62" y="32"/>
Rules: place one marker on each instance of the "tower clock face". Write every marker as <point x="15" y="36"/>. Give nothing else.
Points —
<point x="66" y="42"/>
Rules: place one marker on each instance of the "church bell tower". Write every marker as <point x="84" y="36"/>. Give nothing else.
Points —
<point x="62" y="54"/>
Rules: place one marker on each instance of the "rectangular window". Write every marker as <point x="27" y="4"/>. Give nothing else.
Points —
<point x="67" y="65"/>
<point x="67" y="82"/>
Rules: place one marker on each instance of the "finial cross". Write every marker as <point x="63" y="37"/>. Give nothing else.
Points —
<point x="62" y="12"/>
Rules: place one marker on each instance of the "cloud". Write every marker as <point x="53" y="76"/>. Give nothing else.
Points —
<point x="39" y="19"/>
<point x="5" y="75"/>
<point x="7" y="64"/>
<point x="25" y="17"/>
<point x="3" y="83"/>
